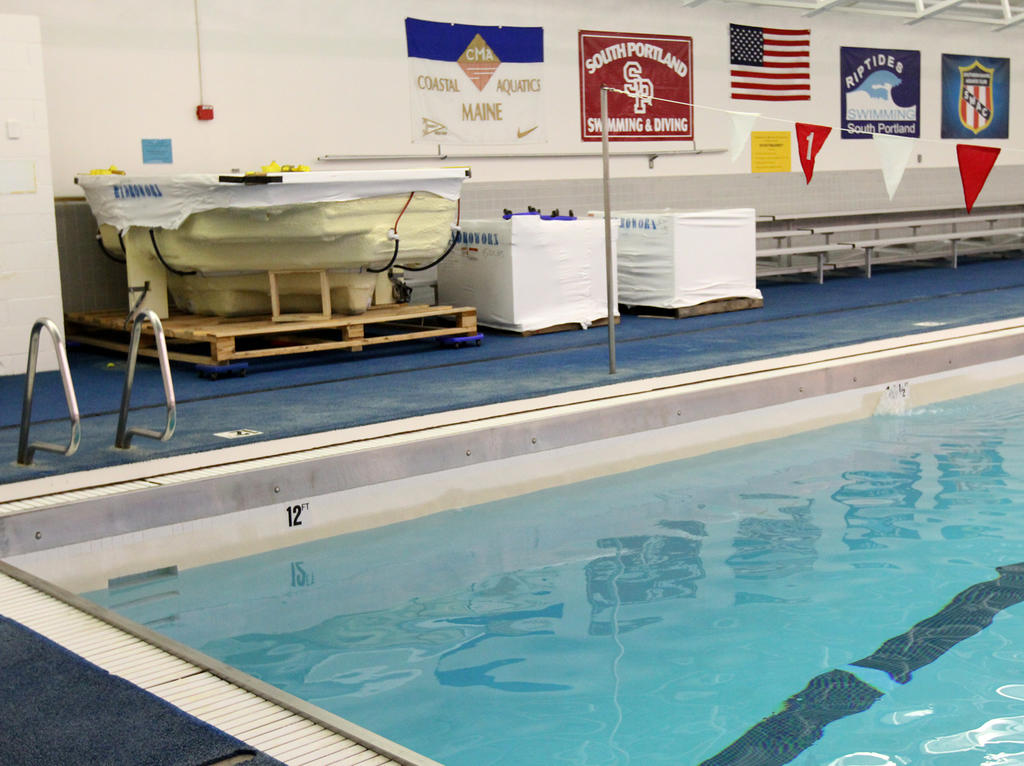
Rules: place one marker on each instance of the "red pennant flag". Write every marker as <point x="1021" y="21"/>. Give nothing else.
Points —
<point x="809" y="140"/>
<point x="975" y="164"/>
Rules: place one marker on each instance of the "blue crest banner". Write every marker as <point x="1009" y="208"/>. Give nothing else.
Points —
<point x="975" y="97"/>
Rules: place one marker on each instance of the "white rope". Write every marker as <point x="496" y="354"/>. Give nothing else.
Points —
<point x="943" y="142"/>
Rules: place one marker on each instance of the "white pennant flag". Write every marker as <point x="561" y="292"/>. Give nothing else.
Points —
<point x="894" y="152"/>
<point x="742" y="122"/>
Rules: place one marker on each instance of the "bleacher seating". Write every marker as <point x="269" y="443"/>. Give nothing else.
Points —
<point x="821" y="243"/>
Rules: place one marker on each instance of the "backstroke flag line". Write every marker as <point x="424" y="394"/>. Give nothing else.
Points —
<point x="894" y="152"/>
<point x="742" y="124"/>
<point x="809" y="140"/>
<point x="975" y="164"/>
<point x="475" y="84"/>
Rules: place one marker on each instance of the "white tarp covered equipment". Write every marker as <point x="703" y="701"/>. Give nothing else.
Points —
<point x="673" y="259"/>
<point x="526" y="273"/>
<point x="166" y="201"/>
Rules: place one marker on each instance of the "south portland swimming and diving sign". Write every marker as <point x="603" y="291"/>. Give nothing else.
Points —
<point x="474" y="84"/>
<point x="652" y="80"/>
<point x="881" y="92"/>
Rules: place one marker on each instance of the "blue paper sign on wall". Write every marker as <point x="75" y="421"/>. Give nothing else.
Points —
<point x="157" y="150"/>
<point x="975" y="97"/>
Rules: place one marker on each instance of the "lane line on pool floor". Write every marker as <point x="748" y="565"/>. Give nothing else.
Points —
<point x="838" y="693"/>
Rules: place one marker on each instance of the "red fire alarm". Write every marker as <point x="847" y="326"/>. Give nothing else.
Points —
<point x="204" y="112"/>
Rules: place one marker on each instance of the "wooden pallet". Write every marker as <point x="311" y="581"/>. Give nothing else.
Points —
<point x="701" y="309"/>
<point x="560" y="328"/>
<point x="224" y="341"/>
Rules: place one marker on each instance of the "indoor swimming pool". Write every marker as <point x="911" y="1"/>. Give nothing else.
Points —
<point x="667" y="615"/>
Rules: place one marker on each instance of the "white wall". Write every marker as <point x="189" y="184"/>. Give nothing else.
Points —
<point x="291" y="80"/>
<point x="29" y="272"/>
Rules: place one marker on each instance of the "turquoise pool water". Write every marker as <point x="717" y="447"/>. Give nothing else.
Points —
<point x="664" y="616"/>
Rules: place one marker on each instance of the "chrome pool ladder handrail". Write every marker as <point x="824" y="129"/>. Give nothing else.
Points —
<point x="27" y="450"/>
<point x="124" y="434"/>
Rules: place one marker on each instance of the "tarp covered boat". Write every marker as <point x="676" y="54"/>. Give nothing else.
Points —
<point x="212" y="240"/>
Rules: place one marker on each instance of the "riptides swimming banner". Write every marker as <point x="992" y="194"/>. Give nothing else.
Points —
<point x="975" y="97"/>
<point x="475" y="85"/>
<point x="881" y="92"/>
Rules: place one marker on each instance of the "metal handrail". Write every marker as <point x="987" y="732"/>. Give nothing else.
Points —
<point x="26" y="450"/>
<point x="124" y="434"/>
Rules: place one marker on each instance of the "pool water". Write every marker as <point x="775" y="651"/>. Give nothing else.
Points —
<point x="662" y="615"/>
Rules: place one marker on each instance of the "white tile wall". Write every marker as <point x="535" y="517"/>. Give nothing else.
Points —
<point x="767" y="193"/>
<point x="29" y="269"/>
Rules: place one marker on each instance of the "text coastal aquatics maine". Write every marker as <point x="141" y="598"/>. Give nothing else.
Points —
<point x="477" y="111"/>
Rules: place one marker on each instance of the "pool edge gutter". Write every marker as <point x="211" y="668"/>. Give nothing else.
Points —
<point x="233" y="676"/>
<point x="546" y="430"/>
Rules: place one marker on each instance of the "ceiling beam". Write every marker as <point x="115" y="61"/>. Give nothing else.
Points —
<point x="935" y="9"/>
<point x="1011" y="22"/>
<point x="824" y="5"/>
<point x="909" y="11"/>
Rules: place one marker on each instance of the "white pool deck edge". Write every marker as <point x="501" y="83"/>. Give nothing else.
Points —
<point x="210" y="506"/>
<point x="495" y="414"/>
<point x="265" y="718"/>
<point x="194" y="509"/>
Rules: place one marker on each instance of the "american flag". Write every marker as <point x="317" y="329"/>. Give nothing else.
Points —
<point x="770" y="64"/>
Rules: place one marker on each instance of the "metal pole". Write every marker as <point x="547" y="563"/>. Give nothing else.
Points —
<point x="609" y="265"/>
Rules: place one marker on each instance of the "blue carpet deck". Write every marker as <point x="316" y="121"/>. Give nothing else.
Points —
<point x="59" y="709"/>
<point x="290" y="396"/>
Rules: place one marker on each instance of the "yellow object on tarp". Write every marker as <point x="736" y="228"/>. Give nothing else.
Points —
<point x="273" y="167"/>
<point x="113" y="170"/>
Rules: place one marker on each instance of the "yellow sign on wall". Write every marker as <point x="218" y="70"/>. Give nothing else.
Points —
<point x="769" y="151"/>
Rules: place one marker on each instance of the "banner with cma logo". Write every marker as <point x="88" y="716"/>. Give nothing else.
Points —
<point x="475" y="85"/>
<point x="975" y="97"/>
